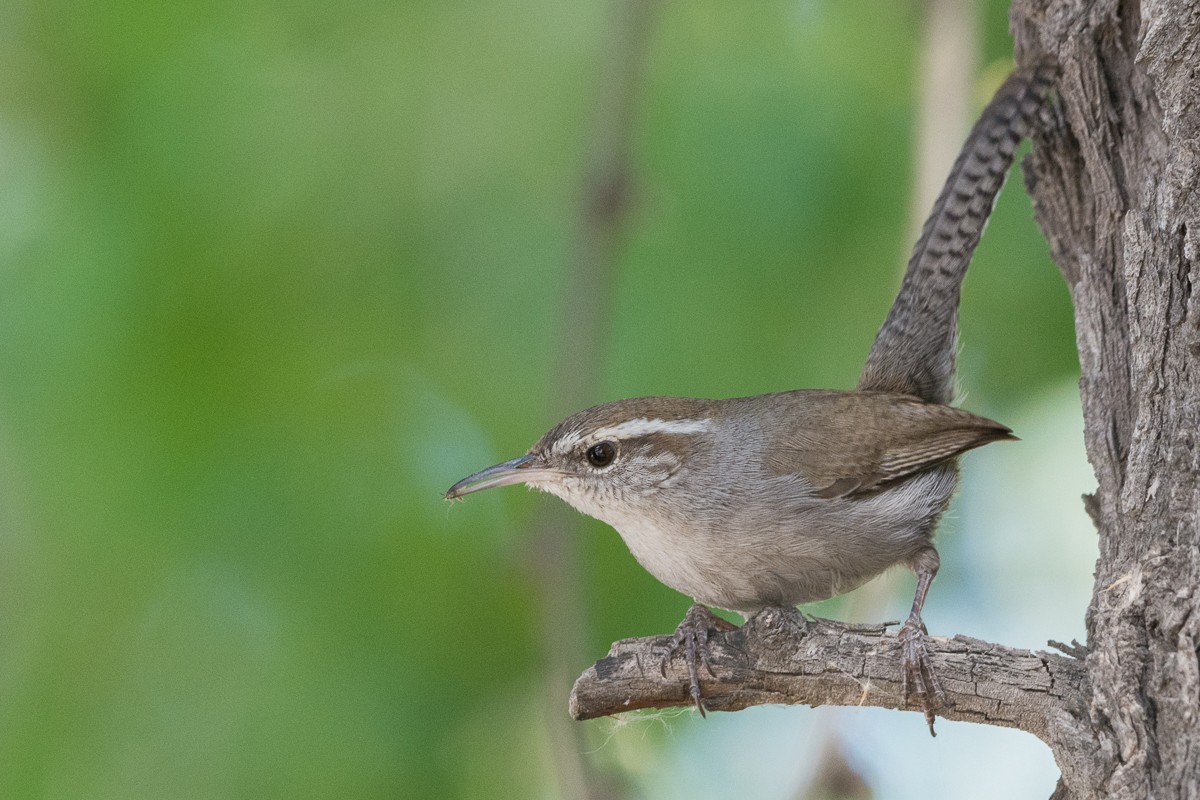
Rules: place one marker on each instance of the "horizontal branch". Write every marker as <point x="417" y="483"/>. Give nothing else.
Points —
<point x="769" y="660"/>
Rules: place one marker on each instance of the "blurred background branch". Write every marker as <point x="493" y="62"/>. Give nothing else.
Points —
<point x="578" y="352"/>
<point x="946" y="108"/>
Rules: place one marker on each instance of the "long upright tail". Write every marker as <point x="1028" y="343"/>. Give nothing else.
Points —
<point x="914" y="351"/>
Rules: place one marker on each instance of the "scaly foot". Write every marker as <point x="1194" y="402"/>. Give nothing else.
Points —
<point x="915" y="666"/>
<point x="691" y="638"/>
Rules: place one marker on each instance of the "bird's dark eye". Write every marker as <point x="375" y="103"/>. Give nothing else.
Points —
<point x="601" y="454"/>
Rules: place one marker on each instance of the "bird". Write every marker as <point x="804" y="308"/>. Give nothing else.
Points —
<point x="786" y="498"/>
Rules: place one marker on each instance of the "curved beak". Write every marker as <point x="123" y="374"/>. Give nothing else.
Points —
<point x="522" y="469"/>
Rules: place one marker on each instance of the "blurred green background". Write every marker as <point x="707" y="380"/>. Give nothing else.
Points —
<point x="274" y="275"/>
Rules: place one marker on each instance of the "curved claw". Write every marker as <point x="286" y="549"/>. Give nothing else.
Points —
<point x="691" y="638"/>
<point x="915" y="666"/>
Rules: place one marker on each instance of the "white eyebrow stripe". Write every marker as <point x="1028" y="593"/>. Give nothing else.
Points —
<point x="644" y="427"/>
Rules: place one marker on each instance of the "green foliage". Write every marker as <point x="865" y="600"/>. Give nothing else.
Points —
<point x="274" y="275"/>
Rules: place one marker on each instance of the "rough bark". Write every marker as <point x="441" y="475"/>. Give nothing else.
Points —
<point x="1114" y="181"/>
<point x="1114" y="176"/>
<point x="831" y="663"/>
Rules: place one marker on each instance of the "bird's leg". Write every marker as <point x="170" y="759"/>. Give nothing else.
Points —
<point x="914" y="656"/>
<point x="691" y="639"/>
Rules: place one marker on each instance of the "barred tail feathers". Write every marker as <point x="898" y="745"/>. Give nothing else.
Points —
<point x="914" y="351"/>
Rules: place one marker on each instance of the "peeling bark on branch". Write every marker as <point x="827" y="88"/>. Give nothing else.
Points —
<point x="769" y="660"/>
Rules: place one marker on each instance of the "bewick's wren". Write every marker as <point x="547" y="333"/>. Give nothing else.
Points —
<point x="788" y="498"/>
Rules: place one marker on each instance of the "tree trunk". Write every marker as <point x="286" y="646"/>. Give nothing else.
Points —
<point x="1114" y="181"/>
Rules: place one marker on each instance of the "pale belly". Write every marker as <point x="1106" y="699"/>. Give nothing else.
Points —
<point x="808" y="552"/>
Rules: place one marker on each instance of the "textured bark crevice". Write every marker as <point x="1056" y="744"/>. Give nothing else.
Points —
<point x="1115" y="178"/>
<point x="1114" y="183"/>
